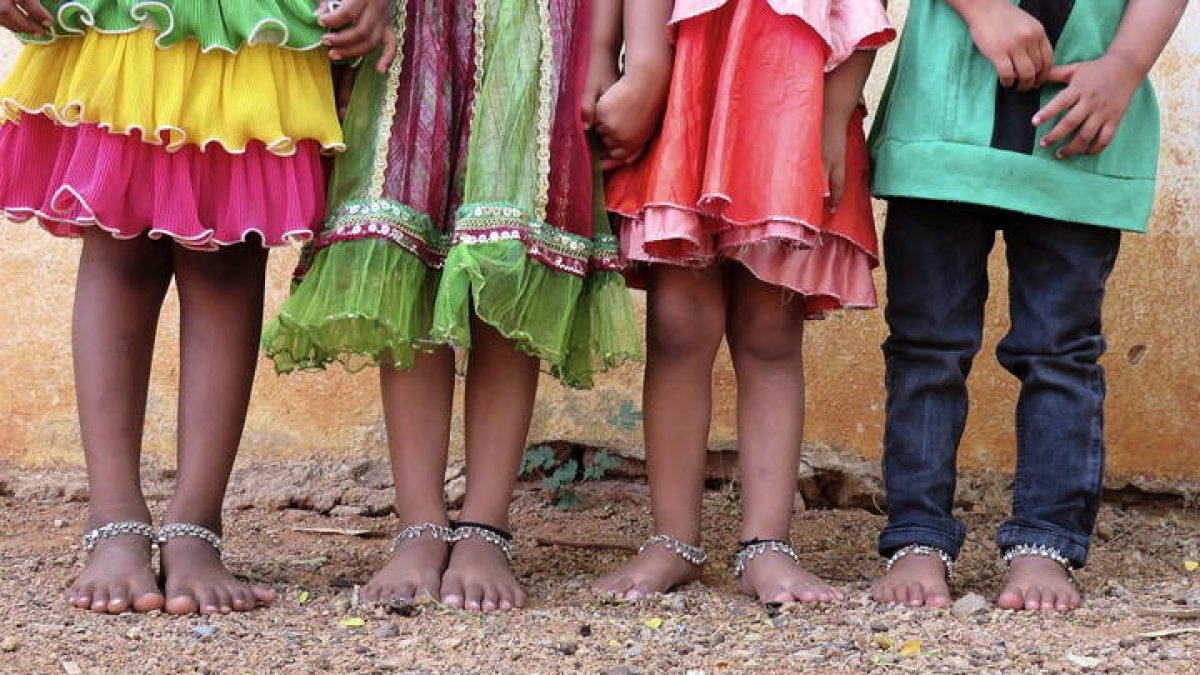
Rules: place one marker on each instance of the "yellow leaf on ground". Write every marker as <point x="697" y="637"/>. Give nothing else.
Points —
<point x="654" y="623"/>
<point x="1191" y="565"/>
<point x="885" y="642"/>
<point x="353" y="622"/>
<point x="910" y="648"/>
<point x="303" y="597"/>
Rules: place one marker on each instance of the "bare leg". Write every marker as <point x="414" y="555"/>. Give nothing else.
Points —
<point x="766" y="339"/>
<point x="118" y="295"/>
<point x="417" y="405"/>
<point x="221" y="301"/>
<point x="501" y="387"/>
<point x="685" y="325"/>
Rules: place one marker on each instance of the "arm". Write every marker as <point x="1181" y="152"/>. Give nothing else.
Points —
<point x="606" y="48"/>
<point x="24" y="16"/>
<point x="1098" y="92"/>
<point x="1010" y="38"/>
<point x="630" y="111"/>
<point x="843" y="91"/>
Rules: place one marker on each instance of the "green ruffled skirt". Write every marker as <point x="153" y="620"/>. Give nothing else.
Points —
<point x="468" y="191"/>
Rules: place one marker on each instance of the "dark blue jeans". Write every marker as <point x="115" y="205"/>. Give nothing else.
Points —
<point x="936" y="255"/>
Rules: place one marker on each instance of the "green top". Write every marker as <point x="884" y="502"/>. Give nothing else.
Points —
<point x="946" y="130"/>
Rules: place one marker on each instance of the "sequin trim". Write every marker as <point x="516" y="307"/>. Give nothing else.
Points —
<point x="383" y="139"/>
<point x="545" y="112"/>
<point x="476" y="224"/>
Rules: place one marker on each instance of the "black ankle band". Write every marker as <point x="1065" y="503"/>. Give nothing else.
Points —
<point x="743" y="545"/>
<point x="503" y="534"/>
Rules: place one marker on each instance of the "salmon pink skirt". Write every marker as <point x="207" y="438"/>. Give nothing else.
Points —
<point x="737" y="172"/>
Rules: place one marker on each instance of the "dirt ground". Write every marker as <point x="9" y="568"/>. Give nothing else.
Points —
<point x="1137" y="583"/>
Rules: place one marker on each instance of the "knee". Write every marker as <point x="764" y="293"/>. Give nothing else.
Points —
<point x="769" y="339"/>
<point x="679" y="327"/>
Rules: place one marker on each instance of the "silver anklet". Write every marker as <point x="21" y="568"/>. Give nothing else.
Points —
<point x="174" y="530"/>
<point x="749" y="550"/>
<point x="93" y="538"/>
<point x="1039" y="551"/>
<point x="922" y="550"/>
<point x="439" y="532"/>
<point x="693" y="555"/>
<point x="501" y="539"/>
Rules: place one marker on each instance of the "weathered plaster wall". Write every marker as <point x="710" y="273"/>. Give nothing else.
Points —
<point x="1154" y="363"/>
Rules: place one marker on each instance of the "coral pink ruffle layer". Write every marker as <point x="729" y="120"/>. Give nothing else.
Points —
<point x="844" y="25"/>
<point x="72" y="178"/>
<point x="736" y="173"/>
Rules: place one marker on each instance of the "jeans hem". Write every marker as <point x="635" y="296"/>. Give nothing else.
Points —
<point x="894" y="539"/>
<point x="1070" y="546"/>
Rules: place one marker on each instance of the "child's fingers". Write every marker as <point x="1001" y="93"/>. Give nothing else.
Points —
<point x="1005" y="70"/>
<point x="1026" y="71"/>
<point x="390" y="49"/>
<point x="34" y="10"/>
<point x="16" y="20"/>
<point x="1065" y="99"/>
<point x="340" y="14"/>
<point x="1065" y="126"/>
<point x="1103" y="140"/>
<point x="1061" y="73"/>
<point x="1084" y="138"/>
<point x="1047" y="60"/>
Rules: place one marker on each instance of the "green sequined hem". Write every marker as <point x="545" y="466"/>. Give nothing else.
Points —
<point x="215" y="24"/>
<point x="369" y="301"/>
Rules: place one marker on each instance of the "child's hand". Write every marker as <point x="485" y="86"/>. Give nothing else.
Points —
<point x="1011" y="39"/>
<point x="25" y="16"/>
<point x="627" y="115"/>
<point x="833" y="149"/>
<point x="602" y="74"/>
<point x="1097" y="94"/>
<point x="358" y="27"/>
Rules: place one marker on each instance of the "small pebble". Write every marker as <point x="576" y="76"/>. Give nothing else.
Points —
<point x="204" y="631"/>
<point x="585" y="630"/>
<point x="387" y="629"/>
<point x="566" y="647"/>
<point x="10" y="644"/>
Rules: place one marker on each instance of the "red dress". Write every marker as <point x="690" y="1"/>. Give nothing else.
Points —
<point x="737" y="173"/>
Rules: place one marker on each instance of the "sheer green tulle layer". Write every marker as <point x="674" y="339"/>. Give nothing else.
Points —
<point x="215" y="24"/>
<point x="368" y="301"/>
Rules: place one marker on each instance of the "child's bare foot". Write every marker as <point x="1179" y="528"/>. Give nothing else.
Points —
<point x="198" y="583"/>
<point x="655" y="570"/>
<point x="773" y="577"/>
<point x="1037" y="583"/>
<point x="914" y="580"/>
<point x="414" y="571"/>
<point x="478" y="578"/>
<point x="119" y="577"/>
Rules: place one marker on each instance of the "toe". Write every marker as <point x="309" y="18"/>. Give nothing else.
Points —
<point x="452" y="590"/>
<point x="81" y="596"/>
<point x="473" y="598"/>
<point x="206" y="596"/>
<point x="491" y="598"/>
<point x="1033" y="599"/>
<point x="916" y="595"/>
<point x="1011" y="598"/>
<point x="373" y="592"/>
<point x="900" y="595"/>
<point x="519" y="596"/>
<point x="182" y="603"/>
<point x="240" y="599"/>
<point x="403" y="592"/>
<point x="431" y="584"/>
<point x="99" y="601"/>
<point x="262" y="595"/>
<point x="118" y="598"/>
<point x="224" y="600"/>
